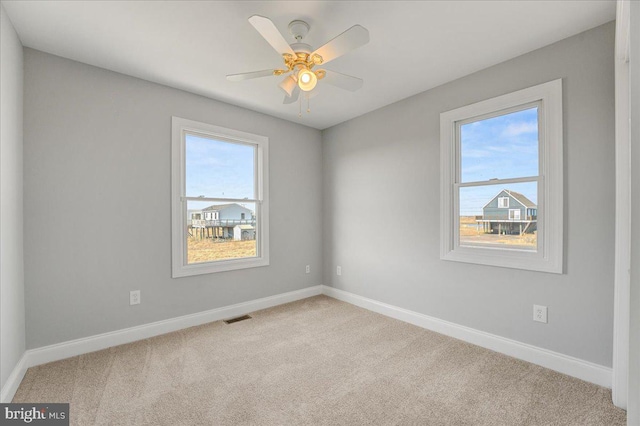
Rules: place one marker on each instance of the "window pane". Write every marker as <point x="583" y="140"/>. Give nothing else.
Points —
<point x="218" y="231"/>
<point x="500" y="147"/>
<point x="504" y="216"/>
<point x="217" y="169"/>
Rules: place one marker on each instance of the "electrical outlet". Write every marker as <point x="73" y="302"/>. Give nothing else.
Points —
<point x="308" y="269"/>
<point x="134" y="297"/>
<point x="339" y="270"/>
<point x="540" y="313"/>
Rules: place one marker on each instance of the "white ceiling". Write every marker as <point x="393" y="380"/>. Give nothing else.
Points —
<point x="192" y="45"/>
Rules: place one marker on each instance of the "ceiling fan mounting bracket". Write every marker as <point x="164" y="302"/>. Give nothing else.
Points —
<point x="298" y="29"/>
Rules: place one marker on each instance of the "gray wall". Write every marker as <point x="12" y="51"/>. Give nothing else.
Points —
<point x="12" y="329"/>
<point x="97" y="160"/>
<point x="390" y="158"/>
<point x="633" y="399"/>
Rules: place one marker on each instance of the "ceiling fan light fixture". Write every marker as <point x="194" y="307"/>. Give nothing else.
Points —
<point x="307" y="80"/>
<point x="288" y="84"/>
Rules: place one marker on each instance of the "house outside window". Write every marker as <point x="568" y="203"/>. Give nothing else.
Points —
<point x="502" y="181"/>
<point x="222" y="175"/>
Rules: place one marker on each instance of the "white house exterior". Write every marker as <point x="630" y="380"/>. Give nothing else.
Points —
<point x="224" y="212"/>
<point x="244" y="232"/>
<point x="218" y="221"/>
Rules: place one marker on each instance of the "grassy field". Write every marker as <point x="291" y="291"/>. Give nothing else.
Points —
<point x="207" y="249"/>
<point x="470" y="233"/>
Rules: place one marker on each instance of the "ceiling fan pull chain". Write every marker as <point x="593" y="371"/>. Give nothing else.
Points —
<point x="308" y="108"/>
<point x="300" y="107"/>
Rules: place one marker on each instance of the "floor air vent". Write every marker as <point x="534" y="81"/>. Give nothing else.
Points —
<point x="236" y="319"/>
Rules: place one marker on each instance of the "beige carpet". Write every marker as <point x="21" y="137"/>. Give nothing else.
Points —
<point x="316" y="361"/>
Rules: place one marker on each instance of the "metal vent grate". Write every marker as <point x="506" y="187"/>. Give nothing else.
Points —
<point x="236" y="319"/>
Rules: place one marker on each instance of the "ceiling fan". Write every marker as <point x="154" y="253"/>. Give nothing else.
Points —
<point x="300" y="59"/>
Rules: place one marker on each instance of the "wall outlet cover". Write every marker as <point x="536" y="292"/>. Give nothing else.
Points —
<point x="540" y="313"/>
<point x="134" y="297"/>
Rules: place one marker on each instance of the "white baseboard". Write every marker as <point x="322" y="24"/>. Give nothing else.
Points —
<point x="565" y="364"/>
<point x="13" y="381"/>
<point x="575" y="367"/>
<point x="85" y="345"/>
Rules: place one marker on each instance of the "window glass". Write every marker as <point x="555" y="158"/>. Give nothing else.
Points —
<point x="484" y="224"/>
<point x="231" y="236"/>
<point x="501" y="147"/>
<point x="218" y="169"/>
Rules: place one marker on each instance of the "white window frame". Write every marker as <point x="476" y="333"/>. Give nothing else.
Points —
<point x="180" y="127"/>
<point x="514" y="215"/>
<point x="501" y="204"/>
<point x="549" y="254"/>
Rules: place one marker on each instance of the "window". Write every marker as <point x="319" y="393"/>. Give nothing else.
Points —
<point x="217" y="172"/>
<point x="501" y="189"/>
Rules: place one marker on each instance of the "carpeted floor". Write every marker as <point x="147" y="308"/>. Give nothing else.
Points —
<point x="313" y="362"/>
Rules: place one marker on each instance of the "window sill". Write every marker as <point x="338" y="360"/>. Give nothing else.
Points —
<point x="221" y="266"/>
<point x="514" y="259"/>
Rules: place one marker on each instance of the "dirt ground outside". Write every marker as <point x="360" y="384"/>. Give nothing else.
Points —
<point x="471" y="234"/>
<point x="207" y="249"/>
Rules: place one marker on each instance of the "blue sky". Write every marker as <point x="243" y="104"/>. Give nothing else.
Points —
<point x="501" y="147"/>
<point x="217" y="169"/>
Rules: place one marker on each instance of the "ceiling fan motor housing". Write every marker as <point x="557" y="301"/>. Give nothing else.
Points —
<point x="301" y="47"/>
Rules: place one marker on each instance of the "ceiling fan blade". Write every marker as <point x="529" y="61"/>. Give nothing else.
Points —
<point x="268" y="30"/>
<point x="343" y="81"/>
<point x="353" y="38"/>
<point x="288" y="84"/>
<point x="250" y="75"/>
<point x="294" y="96"/>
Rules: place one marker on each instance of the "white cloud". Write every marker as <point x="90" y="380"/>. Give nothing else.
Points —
<point x="520" y="128"/>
